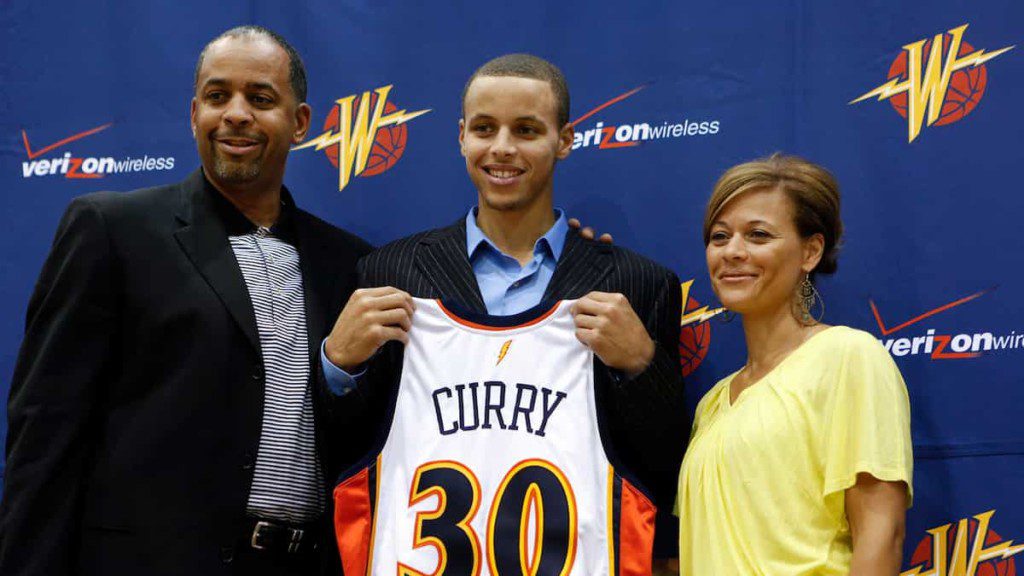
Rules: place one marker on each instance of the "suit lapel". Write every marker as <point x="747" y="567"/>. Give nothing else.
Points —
<point x="204" y="239"/>
<point x="581" y="268"/>
<point x="441" y="257"/>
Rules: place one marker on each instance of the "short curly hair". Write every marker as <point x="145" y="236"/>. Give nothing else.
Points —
<point x="811" y="188"/>
<point x="526" y="66"/>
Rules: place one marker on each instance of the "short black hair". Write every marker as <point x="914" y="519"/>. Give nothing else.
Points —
<point x="526" y="66"/>
<point x="296" y="69"/>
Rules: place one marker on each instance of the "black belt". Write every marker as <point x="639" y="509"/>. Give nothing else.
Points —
<point x="270" y="536"/>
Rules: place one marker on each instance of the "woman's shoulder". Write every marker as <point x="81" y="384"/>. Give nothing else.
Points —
<point x="849" y="339"/>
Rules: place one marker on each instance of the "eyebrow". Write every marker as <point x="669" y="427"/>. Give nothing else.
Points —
<point x="248" y="85"/>
<point x="720" y="222"/>
<point x="519" y="119"/>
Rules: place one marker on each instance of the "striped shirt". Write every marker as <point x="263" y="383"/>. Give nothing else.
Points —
<point x="287" y="483"/>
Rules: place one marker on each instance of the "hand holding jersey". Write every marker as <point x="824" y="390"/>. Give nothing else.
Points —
<point x="609" y="326"/>
<point x="371" y="317"/>
<point x="605" y="322"/>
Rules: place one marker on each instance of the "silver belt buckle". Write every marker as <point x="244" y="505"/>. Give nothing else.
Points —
<point x="256" y="534"/>
<point x="295" y="541"/>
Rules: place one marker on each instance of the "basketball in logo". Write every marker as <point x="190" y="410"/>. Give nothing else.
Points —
<point x="694" y="340"/>
<point x="966" y="86"/>
<point x="388" y="143"/>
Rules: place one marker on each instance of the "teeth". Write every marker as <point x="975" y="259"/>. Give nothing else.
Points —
<point x="504" y="173"/>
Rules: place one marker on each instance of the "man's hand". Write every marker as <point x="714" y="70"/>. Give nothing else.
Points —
<point x="371" y="317"/>
<point x="588" y="232"/>
<point x="607" y="324"/>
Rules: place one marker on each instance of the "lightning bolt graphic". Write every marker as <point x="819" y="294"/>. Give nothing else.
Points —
<point x="885" y="91"/>
<point x="357" y="131"/>
<point x="927" y="91"/>
<point x="967" y="553"/>
<point x="504" y="350"/>
<point x="330" y="138"/>
<point x="694" y="316"/>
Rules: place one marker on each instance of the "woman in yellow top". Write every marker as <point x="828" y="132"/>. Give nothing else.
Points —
<point x="800" y="462"/>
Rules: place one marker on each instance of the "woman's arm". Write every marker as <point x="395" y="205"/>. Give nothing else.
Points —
<point x="877" y="512"/>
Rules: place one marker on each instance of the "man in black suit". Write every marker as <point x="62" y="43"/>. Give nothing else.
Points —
<point x="509" y="253"/>
<point x="161" y="417"/>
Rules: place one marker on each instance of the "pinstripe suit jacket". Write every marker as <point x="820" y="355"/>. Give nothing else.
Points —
<point x="645" y="416"/>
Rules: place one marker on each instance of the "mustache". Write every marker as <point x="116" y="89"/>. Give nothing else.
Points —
<point x="237" y="135"/>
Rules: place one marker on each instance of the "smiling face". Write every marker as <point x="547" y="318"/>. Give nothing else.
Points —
<point x="511" y="140"/>
<point x="755" y="254"/>
<point x="244" y="114"/>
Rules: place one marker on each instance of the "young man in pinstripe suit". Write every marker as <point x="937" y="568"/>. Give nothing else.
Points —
<point x="511" y="251"/>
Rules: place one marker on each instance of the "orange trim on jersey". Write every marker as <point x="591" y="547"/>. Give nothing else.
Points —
<point x="376" y="506"/>
<point x="610" y="504"/>
<point x="460" y="320"/>
<point x="636" y="532"/>
<point x="353" y="522"/>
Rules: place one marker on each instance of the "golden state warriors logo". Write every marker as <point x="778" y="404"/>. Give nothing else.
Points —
<point x="941" y="79"/>
<point x="967" y="548"/>
<point x="694" y="331"/>
<point x="364" y="134"/>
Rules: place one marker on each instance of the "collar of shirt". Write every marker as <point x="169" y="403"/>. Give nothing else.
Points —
<point x="236" y="224"/>
<point x="551" y="243"/>
<point x="507" y="286"/>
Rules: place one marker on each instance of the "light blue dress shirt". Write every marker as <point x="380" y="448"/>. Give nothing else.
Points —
<point x="506" y="286"/>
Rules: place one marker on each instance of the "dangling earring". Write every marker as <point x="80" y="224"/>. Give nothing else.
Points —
<point x="807" y="298"/>
<point x="725" y="316"/>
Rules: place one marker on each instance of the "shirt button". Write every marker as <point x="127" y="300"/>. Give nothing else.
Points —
<point x="257" y="373"/>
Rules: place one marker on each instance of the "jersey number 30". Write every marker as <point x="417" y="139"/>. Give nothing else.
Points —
<point x="532" y="490"/>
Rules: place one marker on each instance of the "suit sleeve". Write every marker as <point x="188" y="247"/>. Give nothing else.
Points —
<point x="652" y="419"/>
<point x="67" y="352"/>
<point x="359" y="413"/>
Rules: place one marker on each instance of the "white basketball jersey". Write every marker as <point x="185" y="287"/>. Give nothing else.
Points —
<point x="494" y="463"/>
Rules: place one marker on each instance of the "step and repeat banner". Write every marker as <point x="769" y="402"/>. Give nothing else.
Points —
<point x="915" y="106"/>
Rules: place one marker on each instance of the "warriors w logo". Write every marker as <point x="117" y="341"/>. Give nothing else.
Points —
<point x="364" y="135"/>
<point x="942" y="78"/>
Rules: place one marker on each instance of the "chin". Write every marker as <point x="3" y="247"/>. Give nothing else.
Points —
<point x="503" y="202"/>
<point x="236" y="172"/>
<point x="734" y="302"/>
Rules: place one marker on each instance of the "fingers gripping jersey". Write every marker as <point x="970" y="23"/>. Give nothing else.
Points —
<point x="494" y="462"/>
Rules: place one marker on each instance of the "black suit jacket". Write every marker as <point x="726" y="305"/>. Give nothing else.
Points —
<point x="137" y="399"/>
<point x="646" y="415"/>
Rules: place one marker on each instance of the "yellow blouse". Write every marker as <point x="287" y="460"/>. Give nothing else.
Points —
<point x="761" y="486"/>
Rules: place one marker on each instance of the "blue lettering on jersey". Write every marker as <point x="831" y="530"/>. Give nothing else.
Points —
<point x="458" y="408"/>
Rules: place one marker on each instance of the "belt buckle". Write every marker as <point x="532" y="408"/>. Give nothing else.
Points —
<point x="256" y="535"/>
<point x="296" y="540"/>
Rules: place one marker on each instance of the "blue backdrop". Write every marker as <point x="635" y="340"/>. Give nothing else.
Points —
<point x="666" y="96"/>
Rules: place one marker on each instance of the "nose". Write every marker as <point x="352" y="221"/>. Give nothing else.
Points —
<point x="735" y="248"/>
<point x="237" y="111"/>
<point x="503" y="145"/>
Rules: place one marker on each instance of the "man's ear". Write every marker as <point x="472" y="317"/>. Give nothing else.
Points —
<point x="462" y="136"/>
<point x="565" y="138"/>
<point x="302" y="118"/>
